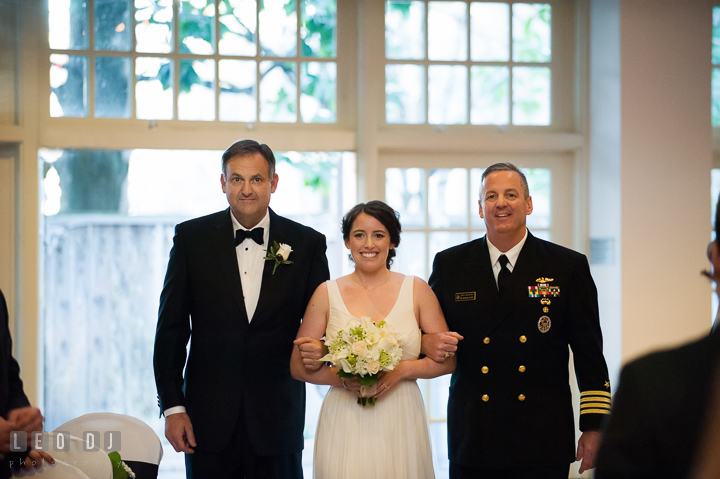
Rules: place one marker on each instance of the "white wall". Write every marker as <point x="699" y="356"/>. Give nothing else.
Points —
<point x="650" y="161"/>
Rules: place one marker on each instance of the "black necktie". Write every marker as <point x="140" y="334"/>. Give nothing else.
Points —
<point x="504" y="275"/>
<point x="255" y="234"/>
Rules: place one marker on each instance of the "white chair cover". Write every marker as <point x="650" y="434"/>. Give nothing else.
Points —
<point x="138" y="441"/>
<point x="92" y="461"/>
<point x="59" y="470"/>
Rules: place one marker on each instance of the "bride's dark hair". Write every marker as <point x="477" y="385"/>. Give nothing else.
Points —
<point x="381" y="212"/>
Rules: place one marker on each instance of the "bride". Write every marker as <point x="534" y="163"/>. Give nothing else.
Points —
<point x="390" y="439"/>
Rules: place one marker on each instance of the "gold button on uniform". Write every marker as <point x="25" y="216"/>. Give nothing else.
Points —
<point x="521" y="369"/>
<point x="485" y="369"/>
<point x="485" y="398"/>
<point x="523" y="339"/>
<point x="486" y="340"/>
<point x="521" y="397"/>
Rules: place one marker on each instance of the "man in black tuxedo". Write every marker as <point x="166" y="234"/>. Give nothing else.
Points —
<point x="517" y="302"/>
<point x="660" y="409"/>
<point x="237" y="412"/>
<point x="15" y="411"/>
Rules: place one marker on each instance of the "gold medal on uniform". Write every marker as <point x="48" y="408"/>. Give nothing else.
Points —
<point x="544" y="324"/>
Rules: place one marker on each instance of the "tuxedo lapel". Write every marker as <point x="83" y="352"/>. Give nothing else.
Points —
<point x="269" y="286"/>
<point x="223" y="245"/>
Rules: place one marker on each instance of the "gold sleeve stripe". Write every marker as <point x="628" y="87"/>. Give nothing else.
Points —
<point x="593" y="405"/>
<point x="595" y="393"/>
<point x="595" y="411"/>
<point x="591" y="399"/>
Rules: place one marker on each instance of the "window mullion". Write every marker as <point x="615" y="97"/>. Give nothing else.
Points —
<point x="298" y="62"/>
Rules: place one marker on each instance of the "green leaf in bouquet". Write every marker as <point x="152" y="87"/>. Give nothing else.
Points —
<point x="117" y="467"/>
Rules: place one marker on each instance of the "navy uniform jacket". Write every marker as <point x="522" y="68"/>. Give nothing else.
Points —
<point x="235" y="367"/>
<point x="659" y="413"/>
<point x="510" y="403"/>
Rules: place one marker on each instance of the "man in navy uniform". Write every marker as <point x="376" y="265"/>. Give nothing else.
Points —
<point x="517" y="302"/>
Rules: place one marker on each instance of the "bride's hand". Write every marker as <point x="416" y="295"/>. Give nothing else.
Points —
<point x="353" y="385"/>
<point x="387" y="381"/>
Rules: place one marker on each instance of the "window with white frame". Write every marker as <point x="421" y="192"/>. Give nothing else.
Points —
<point x="204" y="60"/>
<point x="468" y="62"/>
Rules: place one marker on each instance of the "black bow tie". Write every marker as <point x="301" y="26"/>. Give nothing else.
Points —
<point x="255" y="234"/>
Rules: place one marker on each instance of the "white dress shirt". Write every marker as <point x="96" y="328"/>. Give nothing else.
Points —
<point x="512" y="256"/>
<point x="250" y="263"/>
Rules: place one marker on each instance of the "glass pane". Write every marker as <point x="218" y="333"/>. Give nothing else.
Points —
<point x="112" y="25"/>
<point x="489" y="95"/>
<point x="112" y="87"/>
<point x="68" y="83"/>
<point x="531" y="32"/>
<point x="318" y="30"/>
<point x="442" y="240"/>
<point x="447" y="94"/>
<point x="542" y="234"/>
<point x="405" y="94"/>
<point x="238" y="27"/>
<point x="318" y="101"/>
<point x="447" y="31"/>
<point x="716" y="97"/>
<point x="153" y="32"/>
<point x="490" y="32"/>
<point x="68" y="25"/>
<point x="196" y="100"/>
<point x="405" y="192"/>
<point x="439" y="440"/>
<point x="540" y="185"/>
<point x="411" y="257"/>
<point x="475" y="185"/>
<point x="447" y="198"/>
<point x="153" y="90"/>
<point x="197" y="26"/>
<point x="531" y="95"/>
<point x="278" y="28"/>
<point x="439" y="392"/>
<point x="716" y="36"/>
<point x="405" y="30"/>
<point x="278" y="92"/>
<point x="238" y="90"/>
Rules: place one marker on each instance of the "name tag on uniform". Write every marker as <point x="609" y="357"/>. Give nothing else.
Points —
<point x="470" y="296"/>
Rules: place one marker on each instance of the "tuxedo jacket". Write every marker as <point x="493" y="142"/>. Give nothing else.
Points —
<point x="235" y="369"/>
<point x="659" y="413"/>
<point x="510" y="403"/>
<point x="12" y="395"/>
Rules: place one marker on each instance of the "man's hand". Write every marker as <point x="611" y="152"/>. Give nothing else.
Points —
<point x="6" y="427"/>
<point x="588" y="446"/>
<point x="36" y="459"/>
<point x="28" y="419"/>
<point x="311" y="350"/>
<point x="179" y="431"/>
<point x="436" y="345"/>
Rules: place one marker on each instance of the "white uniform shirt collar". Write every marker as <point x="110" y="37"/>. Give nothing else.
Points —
<point x="512" y="254"/>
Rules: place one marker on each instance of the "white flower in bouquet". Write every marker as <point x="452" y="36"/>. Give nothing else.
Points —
<point x="361" y="350"/>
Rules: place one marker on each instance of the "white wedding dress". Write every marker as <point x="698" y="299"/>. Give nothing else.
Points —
<point x="389" y="440"/>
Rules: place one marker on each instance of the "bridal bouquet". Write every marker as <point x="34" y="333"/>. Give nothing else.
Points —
<point x="361" y="350"/>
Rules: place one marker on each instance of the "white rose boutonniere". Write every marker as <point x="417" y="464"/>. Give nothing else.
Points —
<point x="279" y="253"/>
